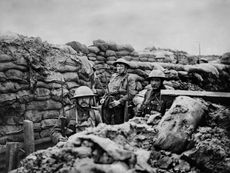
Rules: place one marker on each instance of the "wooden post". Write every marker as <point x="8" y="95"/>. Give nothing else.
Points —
<point x="28" y="137"/>
<point x="11" y="155"/>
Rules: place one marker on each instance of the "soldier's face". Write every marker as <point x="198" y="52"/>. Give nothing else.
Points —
<point x="121" y="68"/>
<point x="85" y="101"/>
<point x="155" y="83"/>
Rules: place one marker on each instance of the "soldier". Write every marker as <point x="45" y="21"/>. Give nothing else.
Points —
<point x="120" y="91"/>
<point x="83" y="115"/>
<point x="152" y="99"/>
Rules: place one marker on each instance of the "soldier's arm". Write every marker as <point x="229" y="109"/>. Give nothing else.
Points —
<point x="100" y="91"/>
<point x="131" y="93"/>
<point x="140" y="111"/>
<point x="56" y="134"/>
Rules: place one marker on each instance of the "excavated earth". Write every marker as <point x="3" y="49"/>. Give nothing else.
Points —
<point x="129" y="148"/>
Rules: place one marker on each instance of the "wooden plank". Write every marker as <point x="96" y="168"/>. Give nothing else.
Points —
<point x="195" y="93"/>
<point x="42" y="140"/>
<point x="43" y="143"/>
<point x="28" y="137"/>
<point x="215" y="97"/>
<point x="11" y="155"/>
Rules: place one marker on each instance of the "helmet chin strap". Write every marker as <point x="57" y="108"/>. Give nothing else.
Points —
<point x="79" y="106"/>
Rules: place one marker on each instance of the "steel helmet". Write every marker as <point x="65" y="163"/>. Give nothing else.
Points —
<point x="156" y="74"/>
<point x="83" y="91"/>
<point x="121" y="61"/>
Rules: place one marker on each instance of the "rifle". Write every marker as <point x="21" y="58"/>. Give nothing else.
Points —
<point x="108" y="94"/>
<point x="126" y="109"/>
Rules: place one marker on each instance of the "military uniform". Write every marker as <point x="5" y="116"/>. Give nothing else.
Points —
<point x="76" y="121"/>
<point x="78" y="118"/>
<point x="152" y="99"/>
<point x="122" y="88"/>
<point x="152" y="102"/>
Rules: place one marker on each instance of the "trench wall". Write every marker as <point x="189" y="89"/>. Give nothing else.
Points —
<point x="37" y="80"/>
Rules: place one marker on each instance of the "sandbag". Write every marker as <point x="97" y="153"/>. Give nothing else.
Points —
<point x="112" y="45"/>
<point x="100" y="58"/>
<point x="225" y="58"/>
<point x="112" y="149"/>
<point x="5" y="58"/>
<point x="139" y="72"/>
<point x="78" y="46"/>
<point x="178" y="124"/>
<point x="9" y="65"/>
<point x="202" y="68"/>
<point x="128" y="58"/>
<point x="171" y="74"/>
<point x="64" y="48"/>
<point x="122" y="53"/>
<point x="111" y="58"/>
<point x="136" y="77"/>
<point x="93" y="49"/>
<point x="86" y="66"/>
<point x="126" y="47"/>
<point x="101" y="44"/>
<point x="177" y="67"/>
<point x="110" y="53"/>
<point x="9" y="37"/>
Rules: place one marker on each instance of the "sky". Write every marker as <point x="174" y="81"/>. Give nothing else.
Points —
<point x="174" y="24"/>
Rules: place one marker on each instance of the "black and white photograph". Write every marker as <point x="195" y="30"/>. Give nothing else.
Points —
<point x="114" y="86"/>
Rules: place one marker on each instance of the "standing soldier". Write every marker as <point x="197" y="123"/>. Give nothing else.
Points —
<point x="83" y="115"/>
<point x="152" y="99"/>
<point x="120" y="92"/>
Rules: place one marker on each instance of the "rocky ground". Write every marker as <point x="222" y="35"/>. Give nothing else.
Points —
<point x="129" y="147"/>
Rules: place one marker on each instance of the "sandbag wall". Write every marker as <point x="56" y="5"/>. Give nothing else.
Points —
<point x="181" y="69"/>
<point x="37" y="80"/>
<point x="104" y="54"/>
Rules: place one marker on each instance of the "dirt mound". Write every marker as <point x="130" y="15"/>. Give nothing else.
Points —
<point x="129" y="147"/>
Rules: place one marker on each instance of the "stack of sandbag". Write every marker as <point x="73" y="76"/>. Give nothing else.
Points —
<point x="157" y="55"/>
<point x="210" y="76"/>
<point x="205" y="76"/>
<point x="104" y="54"/>
<point x="37" y="82"/>
<point x="166" y="56"/>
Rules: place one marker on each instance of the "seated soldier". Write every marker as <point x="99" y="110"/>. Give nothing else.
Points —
<point x="83" y="115"/>
<point x="152" y="99"/>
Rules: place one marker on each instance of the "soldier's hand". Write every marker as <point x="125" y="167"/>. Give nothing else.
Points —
<point x="62" y="139"/>
<point x="115" y="103"/>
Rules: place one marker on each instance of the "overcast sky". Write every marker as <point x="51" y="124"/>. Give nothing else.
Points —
<point x="175" y="24"/>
